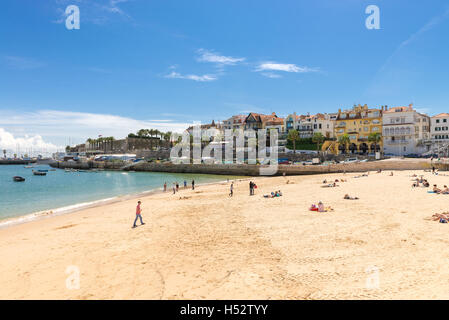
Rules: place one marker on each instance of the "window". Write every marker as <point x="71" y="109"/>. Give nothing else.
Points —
<point x="366" y="129"/>
<point x="375" y="129"/>
<point x="438" y="121"/>
<point x="444" y="120"/>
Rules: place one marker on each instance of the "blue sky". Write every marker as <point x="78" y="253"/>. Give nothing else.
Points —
<point x="168" y="63"/>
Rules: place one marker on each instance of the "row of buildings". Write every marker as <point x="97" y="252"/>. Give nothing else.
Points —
<point x="403" y="130"/>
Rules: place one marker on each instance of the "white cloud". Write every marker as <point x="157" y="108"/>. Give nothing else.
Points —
<point x="25" y="144"/>
<point x="57" y="127"/>
<point x="194" y="77"/>
<point x="286" y="67"/>
<point x="208" y="56"/>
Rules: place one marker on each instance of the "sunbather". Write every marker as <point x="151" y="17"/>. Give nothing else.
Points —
<point x="436" y="189"/>
<point x="347" y="197"/>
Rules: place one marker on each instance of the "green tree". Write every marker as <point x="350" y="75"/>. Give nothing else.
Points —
<point x="142" y="133"/>
<point x="318" y="138"/>
<point x="375" y="138"/>
<point x="293" y="135"/>
<point x="344" y="140"/>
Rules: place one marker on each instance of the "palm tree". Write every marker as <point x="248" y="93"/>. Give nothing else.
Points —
<point x="141" y="133"/>
<point x="318" y="138"/>
<point x="375" y="138"/>
<point x="293" y="135"/>
<point x="344" y="140"/>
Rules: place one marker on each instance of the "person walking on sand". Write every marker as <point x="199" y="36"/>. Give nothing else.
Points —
<point x="185" y="184"/>
<point x="231" y="189"/>
<point x="174" y="188"/>
<point x="138" y="215"/>
<point x="251" y="186"/>
<point x="165" y="186"/>
<point x="177" y="186"/>
<point x="193" y="184"/>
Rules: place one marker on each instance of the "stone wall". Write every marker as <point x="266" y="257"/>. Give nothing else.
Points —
<point x="251" y="170"/>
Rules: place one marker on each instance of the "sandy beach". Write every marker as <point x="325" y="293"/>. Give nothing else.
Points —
<point x="203" y="244"/>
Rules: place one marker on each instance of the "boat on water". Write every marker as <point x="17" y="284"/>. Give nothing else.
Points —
<point x="18" y="179"/>
<point x="28" y="167"/>
<point x="42" y="170"/>
<point x="39" y="173"/>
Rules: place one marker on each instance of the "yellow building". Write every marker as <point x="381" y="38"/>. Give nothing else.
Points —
<point x="357" y="123"/>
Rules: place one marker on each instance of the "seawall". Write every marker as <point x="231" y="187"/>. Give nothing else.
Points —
<point x="254" y="170"/>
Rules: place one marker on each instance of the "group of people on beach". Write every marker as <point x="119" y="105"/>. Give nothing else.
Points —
<point x="420" y="180"/>
<point x="175" y="187"/>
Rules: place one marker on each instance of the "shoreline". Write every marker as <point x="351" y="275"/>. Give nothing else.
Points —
<point x="59" y="211"/>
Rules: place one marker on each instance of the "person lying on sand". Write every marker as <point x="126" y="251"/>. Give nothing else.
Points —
<point x="441" y="217"/>
<point x="273" y="194"/>
<point x="347" y="197"/>
<point x="330" y="185"/>
<point x="426" y="184"/>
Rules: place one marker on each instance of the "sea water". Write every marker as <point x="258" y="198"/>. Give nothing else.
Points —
<point x="61" y="189"/>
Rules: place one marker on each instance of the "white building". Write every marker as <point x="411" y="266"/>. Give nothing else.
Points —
<point x="439" y="128"/>
<point x="307" y="125"/>
<point x="405" y="131"/>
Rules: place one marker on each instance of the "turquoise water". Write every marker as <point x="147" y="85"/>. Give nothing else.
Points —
<point x="60" y="189"/>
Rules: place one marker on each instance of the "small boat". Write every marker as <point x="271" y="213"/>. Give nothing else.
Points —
<point x="39" y="173"/>
<point x="28" y="167"/>
<point x="52" y="170"/>
<point x="42" y="170"/>
<point x="18" y="179"/>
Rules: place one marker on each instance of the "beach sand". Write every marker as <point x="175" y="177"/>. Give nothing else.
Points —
<point x="203" y="244"/>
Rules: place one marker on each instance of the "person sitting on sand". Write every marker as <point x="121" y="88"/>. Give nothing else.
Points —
<point x="379" y="171"/>
<point x="436" y="189"/>
<point x="415" y="184"/>
<point x="391" y="173"/>
<point x="320" y="207"/>
<point x="445" y="190"/>
<point x="347" y="197"/>
<point x="324" y="181"/>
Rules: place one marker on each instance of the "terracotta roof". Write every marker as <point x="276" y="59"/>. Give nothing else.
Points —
<point x="263" y="117"/>
<point x="275" y="122"/>
<point x="441" y="115"/>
